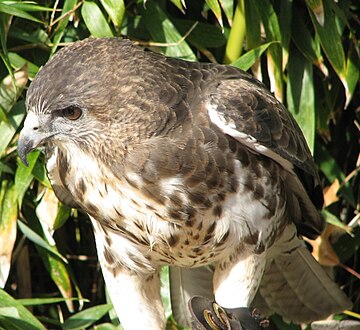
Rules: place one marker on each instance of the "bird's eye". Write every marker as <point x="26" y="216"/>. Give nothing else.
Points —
<point x="72" y="113"/>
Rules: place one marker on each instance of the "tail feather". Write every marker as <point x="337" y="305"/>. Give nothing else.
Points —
<point x="186" y="283"/>
<point x="295" y="286"/>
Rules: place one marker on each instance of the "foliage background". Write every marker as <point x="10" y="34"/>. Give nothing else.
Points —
<point x="307" y="52"/>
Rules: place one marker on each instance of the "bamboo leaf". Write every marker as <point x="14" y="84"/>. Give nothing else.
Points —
<point x="330" y="40"/>
<point x="332" y="171"/>
<point x="61" y="26"/>
<point x="107" y="326"/>
<point x="300" y="95"/>
<point x="228" y="9"/>
<point x="215" y="8"/>
<point x="309" y="47"/>
<point x="317" y="8"/>
<point x="8" y="216"/>
<point x="253" y="25"/>
<point x="44" y="301"/>
<point x="39" y="172"/>
<point x="57" y="266"/>
<point x="11" y="88"/>
<point x="86" y="318"/>
<point x="335" y="221"/>
<point x="352" y="72"/>
<point x="285" y="19"/>
<point x="95" y="20"/>
<point x="180" y="4"/>
<point x="58" y="271"/>
<point x="38" y="240"/>
<point x="14" y="10"/>
<point x="163" y="30"/>
<point x="51" y="211"/>
<point x="18" y="62"/>
<point x="272" y="30"/>
<point x="237" y="33"/>
<point x="203" y="35"/>
<point x="248" y="59"/>
<point x="23" y="175"/>
<point x="15" y="118"/>
<point x="19" y="319"/>
<point x="115" y="10"/>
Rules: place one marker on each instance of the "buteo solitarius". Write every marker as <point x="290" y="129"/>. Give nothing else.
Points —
<point x="181" y="164"/>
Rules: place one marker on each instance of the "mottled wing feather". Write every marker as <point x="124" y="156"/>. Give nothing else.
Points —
<point x="249" y="109"/>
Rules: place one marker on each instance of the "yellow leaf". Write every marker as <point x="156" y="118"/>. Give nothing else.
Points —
<point x="323" y="251"/>
<point x="330" y="193"/>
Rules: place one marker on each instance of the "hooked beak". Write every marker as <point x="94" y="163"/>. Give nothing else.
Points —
<point x="31" y="137"/>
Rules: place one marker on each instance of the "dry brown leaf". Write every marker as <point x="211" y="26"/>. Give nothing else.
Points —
<point x="323" y="251"/>
<point x="330" y="193"/>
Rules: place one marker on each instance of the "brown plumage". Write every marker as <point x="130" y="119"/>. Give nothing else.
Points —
<point x="181" y="164"/>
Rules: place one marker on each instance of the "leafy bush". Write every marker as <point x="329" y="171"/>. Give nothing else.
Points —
<point x="306" y="52"/>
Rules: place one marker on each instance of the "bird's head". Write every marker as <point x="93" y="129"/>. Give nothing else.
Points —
<point x="79" y="96"/>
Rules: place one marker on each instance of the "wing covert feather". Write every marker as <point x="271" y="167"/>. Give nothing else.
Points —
<point x="246" y="105"/>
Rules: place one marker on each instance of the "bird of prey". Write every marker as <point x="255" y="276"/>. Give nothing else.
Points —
<point x="192" y="165"/>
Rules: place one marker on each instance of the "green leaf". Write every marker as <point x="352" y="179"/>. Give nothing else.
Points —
<point x="345" y="247"/>
<point x="203" y="35"/>
<point x="304" y="41"/>
<point x="330" y="39"/>
<point x="44" y="301"/>
<point x="59" y="273"/>
<point x="237" y="34"/>
<point x="107" y="326"/>
<point x="334" y="220"/>
<point x="228" y="8"/>
<point x="61" y="26"/>
<point x="38" y="240"/>
<point x="272" y="30"/>
<point x="332" y="171"/>
<point x="285" y="19"/>
<point x="86" y="318"/>
<point x="317" y="8"/>
<point x="23" y="175"/>
<point x="300" y="94"/>
<point x="352" y="72"/>
<point x="15" y="10"/>
<point x="248" y="59"/>
<point x="4" y="23"/>
<point x="95" y="20"/>
<point x="15" y="117"/>
<point x="62" y="216"/>
<point x="11" y="88"/>
<point x="25" y="5"/>
<point x="17" y="62"/>
<point x="56" y="265"/>
<point x="39" y="173"/>
<point x="253" y="25"/>
<point x="8" y="217"/>
<point x="215" y="8"/>
<point x="5" y="168"/>
<point x="38" y="36"/>
<point x="115" y="9"/>
<point x="165" y="290"/>
<point x="180" y="4"/>
<point x="19" y="319"/>
<point x="163" y="30"/>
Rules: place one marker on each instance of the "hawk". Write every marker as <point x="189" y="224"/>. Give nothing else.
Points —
<point x="192" y="165"/>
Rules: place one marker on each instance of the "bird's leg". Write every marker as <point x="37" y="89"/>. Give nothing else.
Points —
<point x="136" y="299"/>
<point x="135" y="295"/>
<point x="237" y="279"/>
